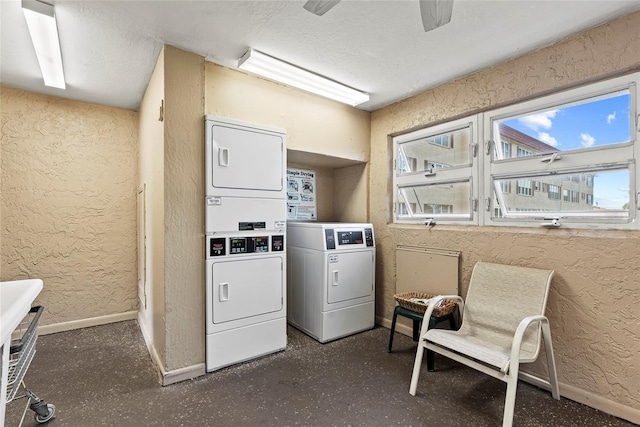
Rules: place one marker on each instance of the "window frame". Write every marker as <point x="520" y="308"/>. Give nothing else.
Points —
<point x="619" y="155"/>
<point x="485" y="169"/>
<point x="454" y="174"/>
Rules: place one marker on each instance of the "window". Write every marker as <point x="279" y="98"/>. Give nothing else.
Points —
<point x="524" y="187"/>
<point x="443" y="187"/>
<point x="573" y="155"/>
<point x="506" y="150"/>
<point x="443" y="140"/>
<point x="407" y="164"/>
<point x="575" y="196"/>
<point x="523" y="153"/>
<point x="434" y="208"/>
<point x="579" y="141"/>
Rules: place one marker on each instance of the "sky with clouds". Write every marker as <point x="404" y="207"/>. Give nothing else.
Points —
<point x="602" y="122"/>
<point x="598" y="123"/>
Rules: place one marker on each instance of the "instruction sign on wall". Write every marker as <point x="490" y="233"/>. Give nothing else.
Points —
<point x="301" y="195"/>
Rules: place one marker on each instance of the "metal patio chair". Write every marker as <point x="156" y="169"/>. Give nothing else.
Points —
<point x="502" y="325"/>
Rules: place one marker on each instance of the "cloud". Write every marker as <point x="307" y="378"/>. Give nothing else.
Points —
<point x="539" y="120"/>
<point x="587" y="140"/>
<point x="611" y="117"/>
<point x="547" y="139"/>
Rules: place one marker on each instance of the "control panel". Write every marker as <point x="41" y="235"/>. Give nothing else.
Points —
<point x="217" y="246"/>
<point x="368" y="236"/>
<point x="248" y="245"/>
<point x="277" y="243"/>
<point x="349" y="237"/>
<point x="330" y="239"/>
<point x="221" y="246"/>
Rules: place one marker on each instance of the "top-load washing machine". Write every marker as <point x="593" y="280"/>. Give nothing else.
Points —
<point x="330" y="278"/>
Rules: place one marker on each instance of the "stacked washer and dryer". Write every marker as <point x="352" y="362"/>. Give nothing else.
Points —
<point x="245" y="227"/>
<point x="331" y="272"/>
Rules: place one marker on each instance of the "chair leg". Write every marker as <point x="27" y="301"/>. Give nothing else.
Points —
<point x="416" y="329"/>
<point x="431" y="363"/>
<point x="416" y="369"/>
<point x="452" y="322"/>
<point x="510" y="399"/>
<point x="551" y="363"/>
<point x="393" y="327"/>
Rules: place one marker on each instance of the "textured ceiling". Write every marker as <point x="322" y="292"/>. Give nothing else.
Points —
<point x="109" y="48"/>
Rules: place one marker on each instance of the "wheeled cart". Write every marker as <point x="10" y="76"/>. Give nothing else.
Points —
<point x="21" y="353"/>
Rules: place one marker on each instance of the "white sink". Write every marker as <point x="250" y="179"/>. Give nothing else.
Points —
<point x="16" y="298"/>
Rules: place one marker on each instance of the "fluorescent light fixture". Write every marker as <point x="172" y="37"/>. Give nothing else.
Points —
<point x="41" y="20"/>
<point x="274" y="69"/>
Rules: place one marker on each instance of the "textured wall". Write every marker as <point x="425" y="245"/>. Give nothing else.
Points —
<point x="69" y="203"/>
<point x="314" y="124"/>
<point x="151" y="176"/>
<point x="184" y="208"/>
<point x="594" y="304"/>
<point x="350" y="191"/>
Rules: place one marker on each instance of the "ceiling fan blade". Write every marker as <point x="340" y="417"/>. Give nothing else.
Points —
<point x="320" y="7"/>
<point x="435" y="13"/>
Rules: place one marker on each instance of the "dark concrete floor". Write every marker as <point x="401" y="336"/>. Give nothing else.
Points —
<point x="103" y="376"/>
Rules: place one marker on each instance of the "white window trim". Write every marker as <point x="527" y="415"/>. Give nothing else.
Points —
<point x="572" y="161"/>
<point x="449" y="175"/>
<point x="484" y="169"/>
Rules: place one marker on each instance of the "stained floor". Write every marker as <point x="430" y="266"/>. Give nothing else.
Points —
<point x="103" y="376"/>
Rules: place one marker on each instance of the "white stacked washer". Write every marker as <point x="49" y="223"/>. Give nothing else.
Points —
<point x="245" y="211"/>
<point x="331" y="278"/>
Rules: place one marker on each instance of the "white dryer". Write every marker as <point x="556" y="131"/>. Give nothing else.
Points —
<point x="330" y="278"/>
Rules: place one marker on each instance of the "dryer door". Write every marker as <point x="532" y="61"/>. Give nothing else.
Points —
<point x="244" y="159"/>
<point x="350" y="275"/>
<point x="246" y="288"/>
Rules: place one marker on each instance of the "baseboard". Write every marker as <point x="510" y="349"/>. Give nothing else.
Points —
<point x="183" y="374"/>
<point x="590" y="399"/>
<point x="155" y="358"/>
<point x="175" y="375"/>
<point x="567" y="391"/>
<point x="403" y="329"/>
<point x="85" y="323"/>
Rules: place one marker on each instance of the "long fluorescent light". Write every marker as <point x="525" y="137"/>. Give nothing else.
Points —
<point x="41" y="20"/>
<point x="274" y="69"/>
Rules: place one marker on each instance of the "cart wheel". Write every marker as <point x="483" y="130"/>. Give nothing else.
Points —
<point x="52" y="410"/>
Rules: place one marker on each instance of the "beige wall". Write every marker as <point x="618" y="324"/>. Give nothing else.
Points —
<point x="351" y="194"/>
<point x="313" y="124"/>
<point x="172" y="170"/>
<point x="322" y="128"/>
<point x="69" y="203"/>
<point x="184" y="208"/>
<point x="594" y="304"/>
<point x="151" y="177"/>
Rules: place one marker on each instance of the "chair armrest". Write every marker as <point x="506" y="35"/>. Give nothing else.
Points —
<point x="431" y="307"/>
<point x="519" y="334"/>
